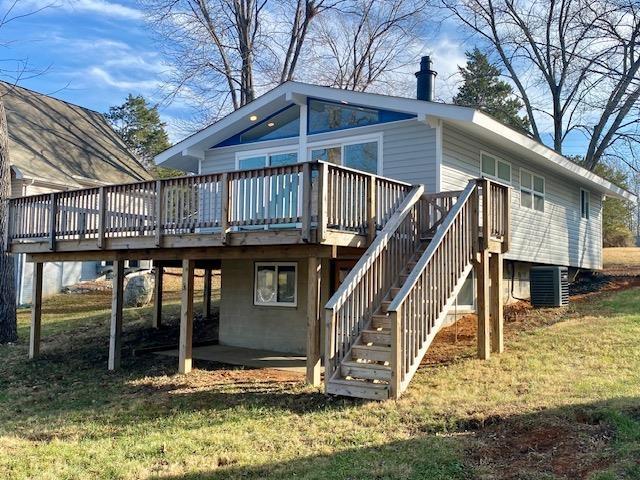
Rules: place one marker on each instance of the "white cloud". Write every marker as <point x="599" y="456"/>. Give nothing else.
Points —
<point x="101" y="7"/>
<point x="100" y="74"/>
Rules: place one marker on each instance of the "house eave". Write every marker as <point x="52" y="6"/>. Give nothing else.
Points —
<point x="186" y="154"/>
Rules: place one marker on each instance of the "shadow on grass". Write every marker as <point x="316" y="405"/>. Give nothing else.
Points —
<point x="588" y="441"/>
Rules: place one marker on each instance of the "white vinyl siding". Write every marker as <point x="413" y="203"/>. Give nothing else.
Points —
<point x="408" y="150"/>
<point x="555" y="236"/>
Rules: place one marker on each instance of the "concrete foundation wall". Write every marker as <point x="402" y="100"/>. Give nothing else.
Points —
<point x="244" y="324"/>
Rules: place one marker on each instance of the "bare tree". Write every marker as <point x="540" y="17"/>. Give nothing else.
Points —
<point x="367" y="44"/>
<point x="574" y="64"/>
<point x="8" y="327"/>
<point x="224" y="51"/>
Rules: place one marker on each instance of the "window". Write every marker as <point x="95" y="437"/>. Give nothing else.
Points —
<point x="494" y="167"/>
<point x="362" y="155"/>
<point x="251" y="160"/>
<point x="282" y="124"/>
<point x="585" y="204"/>
<point x="275" y="284"/>
<point x="328" y="116"/>
<point x="531" y="191"/>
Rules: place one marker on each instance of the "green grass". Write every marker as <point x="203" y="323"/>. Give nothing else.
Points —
<point x="562" y="402"/>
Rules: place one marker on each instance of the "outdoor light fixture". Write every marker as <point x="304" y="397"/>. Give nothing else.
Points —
<point x="253" y="118"/>
<point x="270" y="124"/>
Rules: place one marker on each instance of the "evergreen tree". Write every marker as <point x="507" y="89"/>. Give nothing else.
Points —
<point x="483" y="89"/>
<point x="140" y="127"/>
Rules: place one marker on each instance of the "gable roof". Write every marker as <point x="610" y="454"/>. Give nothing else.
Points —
<point x="61" y="143"/>
<point x="186" y="153"/>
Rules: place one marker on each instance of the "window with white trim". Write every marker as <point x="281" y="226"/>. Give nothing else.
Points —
<point x="494" y="167"/>
<point x="357" y="154"/>
<point x="276" y="284"/>
<point x="531" y="190"/>
<point x="585" y="204"/>
<point x="260" y="159"/>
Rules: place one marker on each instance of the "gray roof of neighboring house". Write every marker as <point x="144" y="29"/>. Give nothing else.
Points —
<point x="57" y="142"/>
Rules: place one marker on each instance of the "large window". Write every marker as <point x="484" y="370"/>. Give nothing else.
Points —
<point x="360" y="155"/>
<point x="275" y="284"/>
<point x="531" y="190"/>
<point x="585" y="204"/>
<point x="283" y="124"/>
<point x="494" y="167"/>
<point x="258" y="159"/>
<point x="328" y="116"/>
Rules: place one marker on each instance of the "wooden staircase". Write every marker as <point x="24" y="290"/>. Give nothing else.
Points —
<point x="388" y="310"/>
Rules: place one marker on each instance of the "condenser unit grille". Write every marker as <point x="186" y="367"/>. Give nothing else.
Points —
<point x="549" y="286"/>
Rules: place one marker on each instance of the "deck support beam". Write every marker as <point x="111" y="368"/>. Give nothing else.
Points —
<point x="157" y="296"/>
<point x="207" y="293"/>
<point x="497" y="309"/>
<point x="313" y="320"/>
<point x="117" y="304"/>
<point x="36" y="311"/>
<point x="186" y="318"/>
<point x="483" y="282"/>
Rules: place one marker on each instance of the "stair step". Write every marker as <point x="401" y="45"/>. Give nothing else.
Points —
<point x="394" y="291"/>
<point x="369" y="371"/>
<point x="375" y="353"/>
<point x="381" y="321"/>
<point x="385" y="305"/>
<point x="376" y="337"/>
<point x="357" y="388"/>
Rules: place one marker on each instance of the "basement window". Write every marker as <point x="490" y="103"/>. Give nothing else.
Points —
<point x="276" y="284"/>
<point x="585" y="204"/>
<point x="531" y="191"/>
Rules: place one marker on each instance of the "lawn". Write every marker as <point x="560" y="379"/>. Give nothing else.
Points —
<point x="621" y="260"/>
<point x="562" y="402"/>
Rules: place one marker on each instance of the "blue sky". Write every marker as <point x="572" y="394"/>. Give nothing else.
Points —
<point x="90" y="52"/>
<point x="95" y="52"/>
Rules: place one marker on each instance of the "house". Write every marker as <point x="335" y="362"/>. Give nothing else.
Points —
<point x="56" y="146"/>
<point x="347" y="226"/>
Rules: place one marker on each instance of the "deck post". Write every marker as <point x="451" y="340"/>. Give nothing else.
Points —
<point x="224" y="209"/>
<point x="323" y="189"/>
<point x="159" y="212"/>
<point x="207" y="293"/>
<point x="497" y="310"/>
<point x="157" y="296"/>
<point x="371" y="209"/>
<point x="53" y="215"/>
<point x="395" y="385"/>
<point x="102" y="217"/>
<point x="186" y="317"/>
<point x="483" y="301"/>
<point x="117" y="303"/>
<point x="313" y="320"/>
<point x="306" y="202"/>
<point x="36" y="311"/>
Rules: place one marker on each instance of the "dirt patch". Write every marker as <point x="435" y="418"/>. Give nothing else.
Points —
<point x="532" y="447"/>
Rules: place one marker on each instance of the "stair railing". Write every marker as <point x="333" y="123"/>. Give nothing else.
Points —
<point x="419" y="308"/>
<point x="366" y="285"/>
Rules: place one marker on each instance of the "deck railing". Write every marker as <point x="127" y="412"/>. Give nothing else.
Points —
<point x="303" y="196"/>
<point x="420" y="307"/>
<point x="366" y="285"/>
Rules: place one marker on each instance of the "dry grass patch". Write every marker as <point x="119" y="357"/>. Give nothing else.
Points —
<point x="567" y="375"/>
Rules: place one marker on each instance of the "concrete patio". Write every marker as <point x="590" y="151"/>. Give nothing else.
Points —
<point x="247" y="357"/>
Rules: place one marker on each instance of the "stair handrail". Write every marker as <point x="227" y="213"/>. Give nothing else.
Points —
<point x="356" y="274"/>
<point x="470" y="193"/>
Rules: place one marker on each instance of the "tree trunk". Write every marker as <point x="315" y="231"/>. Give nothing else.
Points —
<point x="8" y="327"/>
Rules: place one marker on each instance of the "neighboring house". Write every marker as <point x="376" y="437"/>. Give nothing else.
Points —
<point x="56" y="146"/>
<point x="377" y="208"/>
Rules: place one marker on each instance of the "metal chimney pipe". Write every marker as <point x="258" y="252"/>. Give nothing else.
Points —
<point x="426" y="80"/>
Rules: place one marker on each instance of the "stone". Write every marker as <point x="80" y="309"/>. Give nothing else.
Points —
<point x="138" y="289"/>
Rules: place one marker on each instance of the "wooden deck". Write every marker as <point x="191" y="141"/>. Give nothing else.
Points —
<point x="302" y="204"/>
